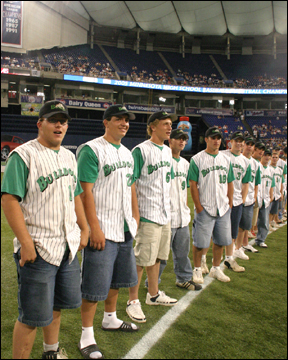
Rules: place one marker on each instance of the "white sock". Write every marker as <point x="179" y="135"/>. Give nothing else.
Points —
<point x="229" y="257"/>
<point x="216" y="267"/>
<point x="197" y="268"/>
<point x="87" y="337"/>
<point x="53" y="347"/>
<point x="203" y="258"/>
<point x="110" y="320"/>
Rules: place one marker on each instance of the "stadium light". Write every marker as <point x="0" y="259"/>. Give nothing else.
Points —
<point x="162" y="99"/>
<point x="231" y="102"/>
<point x="220" y="101"/>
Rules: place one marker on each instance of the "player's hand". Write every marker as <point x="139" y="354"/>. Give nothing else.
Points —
<point x="27" y="254"/>
<point x="84" y="239"/>
<point x="97" y="240"/>
<point x="199" y="210"/>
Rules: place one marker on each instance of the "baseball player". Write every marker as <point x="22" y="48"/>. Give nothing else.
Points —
<point x="259" y="149"/>
<point x="180" y="215"/>
<point x="265" y="197"/>
<point x="247" y="212"/>
<point x="282" y="163"/>
<point x="106" y="175"/>
<point x="278" y="189"/>
<point x="242" y="174"/>
<point x="153" y="172"/>
<point x="211" y="184"/>
<point x="40" y="198"/>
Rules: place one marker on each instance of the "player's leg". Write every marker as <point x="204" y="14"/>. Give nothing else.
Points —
<point x="23" y="340"/>
<point x="202" y="229"/>
<point x="263" y="226"/>
<point x="204" y="267"/>
<point x="221" y="237"/>
<point x="244" y="226"/>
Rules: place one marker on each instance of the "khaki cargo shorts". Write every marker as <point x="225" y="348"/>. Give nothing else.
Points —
<point x="152" y="243"/>
<point x="255" y="214"/>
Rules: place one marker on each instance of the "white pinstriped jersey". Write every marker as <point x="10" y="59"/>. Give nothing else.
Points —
<point x="278" y="176"/>
<point x="267" y="181"/>
<point x="49" y="207"/>
<point x="112" y="189"/>
<point x="240" y="166"/>
<point x="153" y="185"/>
<point x="283" y="165"/>
<point x="250" y="199"/>
<point x="212" y="181"/>
<point x="180" y="212"/>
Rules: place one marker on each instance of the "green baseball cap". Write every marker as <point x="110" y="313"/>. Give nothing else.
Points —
<point x="213" y="131"/>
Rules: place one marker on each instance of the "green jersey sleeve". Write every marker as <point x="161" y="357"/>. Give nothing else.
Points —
<point x="258" y="177"/>
<point x="285" y="170"/>
<point x="78" y="189"/>
<point x="193" y="173"/>
<point x="248" y="176"/>
<point x="231" y="176"/>
<point x="87" y="164"/>
<point x="15" y="177"/>
<point x="138" y="163"/>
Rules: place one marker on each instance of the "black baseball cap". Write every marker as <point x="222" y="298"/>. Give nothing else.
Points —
<point x="178" y="133"/>
<point x="267" y="152"/>
<point x="237" y="135"/>
<point x="260" y="145"/>
<point x="249" y="139"/>
<point x="118" y="109"/>
<point x="213" y="131"/>
<point x="53" y="107"/>
<point x="161" y="115"/>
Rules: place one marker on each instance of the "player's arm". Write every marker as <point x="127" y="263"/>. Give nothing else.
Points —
<point x="15" y="218"/>
<point x="230" y="193"/>
<point x="97" y="237"/>
<point x="245" y="189"/>
<point x="135" y="208"/>
<point x="195" y="196"/>
<point x="82" y="222"/>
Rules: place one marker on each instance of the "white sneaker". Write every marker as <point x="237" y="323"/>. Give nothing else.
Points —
<point x="135" y="312"/>
<point x="232" y="264"/>
<point x="197" y="277"/>
<point x="218" y="274"/>
<point x="276" y="226"/>
<point x="250" y="248"/>
<point x="263" y="245"/>
<point x="271" y="228"/>
<point x="250" y="235"/>
<point x="161" y="299"/>
<point x="204" y="267"/>
<point x="240" y="254"/>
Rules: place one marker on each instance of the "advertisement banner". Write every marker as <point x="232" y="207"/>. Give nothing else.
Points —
<point x="12" y="23"/>
<point x="148" y="108"/>
<point x="87" y="104"/>
<point x="254" y="112"/>
<point x="31" y="105"/>
<point x="195" y="111"/>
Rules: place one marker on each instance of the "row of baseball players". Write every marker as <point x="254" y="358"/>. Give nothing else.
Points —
<point x="48" y="198"/>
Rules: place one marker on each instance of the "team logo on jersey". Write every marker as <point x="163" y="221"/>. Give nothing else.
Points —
<point x="43" y="182"/>
<point x="213" y="168"/>
<point x="108" y="169"/>
<point x="152" y="168"/>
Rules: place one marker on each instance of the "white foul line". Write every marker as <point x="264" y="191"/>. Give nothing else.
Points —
<point x="158" y="330"/>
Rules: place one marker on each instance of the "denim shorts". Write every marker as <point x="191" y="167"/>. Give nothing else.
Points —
<point x="247" y="216"/>
<point x="206" y="226"/>
<point x="43" y="286"/>
<point x="114" y="267"/>
<point x="274" y="206"/>
<point x="236" y="215"/>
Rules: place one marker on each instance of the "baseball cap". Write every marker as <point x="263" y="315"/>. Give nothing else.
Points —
<point x="213" y="131"/>
<point x="118" y="109"/>
<point x="237" y="135"/>
<point x="249" y="139"/>
<point x="260" y="145"/>
<point x="162" y="115"/>
<point x="53" y="107"/>
<point x="267" y="152"/>
<point x="177" y="134"/>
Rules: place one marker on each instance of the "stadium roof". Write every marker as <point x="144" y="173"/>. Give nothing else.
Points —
<point x="239" y="18"/>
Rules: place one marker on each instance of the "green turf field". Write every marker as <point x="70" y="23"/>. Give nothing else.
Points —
<point x="243" y="319"/>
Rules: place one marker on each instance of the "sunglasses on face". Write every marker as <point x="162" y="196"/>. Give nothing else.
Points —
<point x="53" y="120"/>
